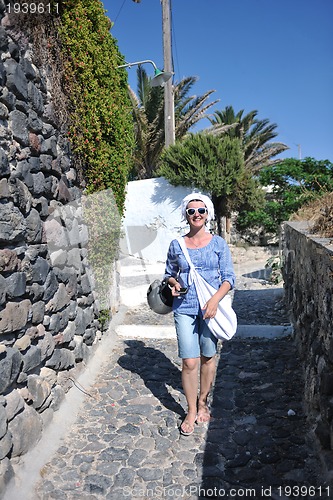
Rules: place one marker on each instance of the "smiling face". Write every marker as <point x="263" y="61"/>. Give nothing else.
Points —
<point x="196" y="219"/>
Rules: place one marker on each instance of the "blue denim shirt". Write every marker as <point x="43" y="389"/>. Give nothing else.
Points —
<point x="213" y="262"/>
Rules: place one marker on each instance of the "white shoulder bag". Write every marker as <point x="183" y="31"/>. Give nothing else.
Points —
<point x="224" y="324"/>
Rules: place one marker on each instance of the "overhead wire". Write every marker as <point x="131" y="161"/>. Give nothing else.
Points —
<point x="173" y="42"/>
<point x="119" y="11"/>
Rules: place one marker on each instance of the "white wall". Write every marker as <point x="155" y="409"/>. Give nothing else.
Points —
<point x="152" y="218"/>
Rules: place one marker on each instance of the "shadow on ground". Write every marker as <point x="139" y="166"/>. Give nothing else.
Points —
<point x="260" y="274"/>
<point x="157" y="367"/>
<point x="258" y="438"/>
<point x="261" y="307"/>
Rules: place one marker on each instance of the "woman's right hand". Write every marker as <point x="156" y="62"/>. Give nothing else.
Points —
<point x="175" y="287"/>
<point x="175" y="290"/>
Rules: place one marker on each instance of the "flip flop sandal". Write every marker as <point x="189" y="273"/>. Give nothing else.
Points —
<point x="206" y="415"/>
<point x="184" y="433"/>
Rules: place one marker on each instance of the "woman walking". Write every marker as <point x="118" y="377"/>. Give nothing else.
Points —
<point x="196" y="344"/>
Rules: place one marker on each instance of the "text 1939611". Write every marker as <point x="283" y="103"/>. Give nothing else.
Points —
<point x="32" y="8"/>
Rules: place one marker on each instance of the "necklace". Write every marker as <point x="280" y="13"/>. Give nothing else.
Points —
<point x="204" y="240"/>
<point x="193" y="243"/>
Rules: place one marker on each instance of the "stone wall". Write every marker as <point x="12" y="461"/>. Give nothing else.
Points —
<point x="308" y="275"/>
<point x="48" y="309"/>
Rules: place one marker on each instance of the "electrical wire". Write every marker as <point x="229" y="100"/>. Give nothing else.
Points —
<point x="121" y="8"/>
<point x="173" y="41"/>
<point x="81" y="388"/>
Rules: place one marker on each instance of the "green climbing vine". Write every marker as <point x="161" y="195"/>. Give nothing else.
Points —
<point x="101" y="126"/>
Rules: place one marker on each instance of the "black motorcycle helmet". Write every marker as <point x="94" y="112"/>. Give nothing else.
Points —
<point x="159" y="297"/>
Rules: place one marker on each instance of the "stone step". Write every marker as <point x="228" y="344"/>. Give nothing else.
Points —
<point x="168" y="332"/>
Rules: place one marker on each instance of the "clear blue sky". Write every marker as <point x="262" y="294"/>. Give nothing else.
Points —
<point x="275" y="56"/>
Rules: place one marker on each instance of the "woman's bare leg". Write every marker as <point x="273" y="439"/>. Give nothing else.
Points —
<point x="207" y="375"/>
<point x="190" y="387"/>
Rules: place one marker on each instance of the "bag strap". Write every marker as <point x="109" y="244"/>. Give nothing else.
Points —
<point x="185" y="251"/>
<point x="188" y="258"/>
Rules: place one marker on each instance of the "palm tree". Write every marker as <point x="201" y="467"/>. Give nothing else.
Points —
<point x="148" y="115"/>
<point x="254" y="135"/>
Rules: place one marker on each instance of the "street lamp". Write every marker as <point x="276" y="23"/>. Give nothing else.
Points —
<point x="160" y="77"/>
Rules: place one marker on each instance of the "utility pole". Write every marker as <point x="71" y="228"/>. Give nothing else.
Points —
<point x="169" y="108"/>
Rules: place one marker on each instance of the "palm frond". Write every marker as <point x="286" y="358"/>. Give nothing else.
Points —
<point x="220" y="129"/>
<point x="148" y="115"/>
<point x="253" y="133"/>
<point x="183" y="88"/>
<point x="191" y="118"/>
<point x="262" y="157"/>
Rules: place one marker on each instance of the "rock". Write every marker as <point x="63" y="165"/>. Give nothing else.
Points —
<point x="31" y="359"/>
<point x="14" y="404"/>
<point x="4" y="189"/>
<point x="12" y="224"/>
<point x="69" y="332"/>
<point x="34" y="227"/>
<point x="6" y="474"/>
<point x="26" y="430"/>
<point x="39" y="183"/>
<point x="60" y="299"/>
<point x="56" y="234"/>
<point x="35" y="97"/>
<point x="35" y="124"/>
<point x="16" y="285"/>
<point x="50" y="286"/>
<point x="16" y="80"/>
<point x="39" y="389"/>
<point x="40" y="270"/>
<point x="49" y="375"/>
<point x="14" y="316"/>
<point x="4" y="164"/>
<point x="58" y="257"/>
<point x="21" y="195"/>
<point x="3" y="290"/>
<point x="46" y="345"/>
<point x="17" y="123"/>
<point x="74" y="260"/>
<point x="49" y="147"/>
<point x="63" y="193"/>
<point x="6" y="444"/>
<point x="58" y="395"/>
<point x="9" y="261"/>
<point x="61" y="359"/>
<point x="79" y="348"/>
<point x="25" y="394"/>
<point x="3" y="421"/>
<point x="10" y="363"/>
<point x="89" y="336"/>
<point x="23" y="343"/>
<point x="38" y="309"/>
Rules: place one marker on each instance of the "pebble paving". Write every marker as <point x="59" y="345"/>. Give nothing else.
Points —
<point x="126" y="441"/>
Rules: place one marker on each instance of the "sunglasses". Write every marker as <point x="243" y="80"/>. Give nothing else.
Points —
<point x="200" y="210"/>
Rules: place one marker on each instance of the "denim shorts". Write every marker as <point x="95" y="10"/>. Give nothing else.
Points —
<point x="194" y="337"/>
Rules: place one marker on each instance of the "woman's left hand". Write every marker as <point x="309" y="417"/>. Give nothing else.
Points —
<point x="212" y="304"/>
<point x="210" y="308"/>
